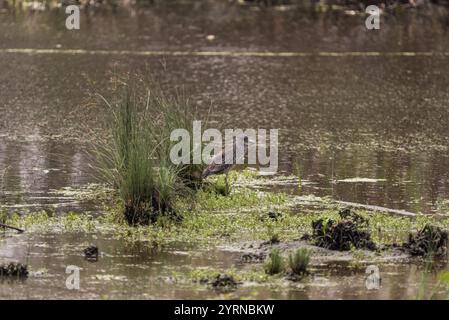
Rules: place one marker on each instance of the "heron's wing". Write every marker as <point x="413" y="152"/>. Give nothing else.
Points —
<point x="214" y="167"/>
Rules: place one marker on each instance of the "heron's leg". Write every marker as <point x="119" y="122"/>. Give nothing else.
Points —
<point x="227" y="186"/>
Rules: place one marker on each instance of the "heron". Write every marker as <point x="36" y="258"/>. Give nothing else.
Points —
<point x="218" y="163"/>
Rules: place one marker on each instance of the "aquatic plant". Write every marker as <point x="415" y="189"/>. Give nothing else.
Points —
<point x="218" y="186"/>
<point x="272" y="234"/>
<point x="429" y="242"/>
<point x="91" y="253"/>
<point x="274" y="263"/>
<point x="299" y="261"/>
<point x="210" y="219"/>
<point x="3" y="216"/>
<point x="43" y="221"/>
<point x="12" y="269"/>
<point x="2" y="182"/>
<point x="176" y="112"/>
<point x="350" y="230"/>
<point x="136" y="159"/>
<point x="224" y="281"/>
<point x="425" y="289"/>
<point x="210" y="199"/>
<point x="209" y="275"/>
<point x="443" y="282"/>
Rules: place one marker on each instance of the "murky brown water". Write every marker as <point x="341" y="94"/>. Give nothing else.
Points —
<point x="138" y="272"/>
<point x="341" y="116"/>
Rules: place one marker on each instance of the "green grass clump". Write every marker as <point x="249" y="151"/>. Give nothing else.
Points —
<point x="135" y="160"/>
<point x="274" y="263"/>
<point x="299" y="261"/>
<point x="273" y="235"/>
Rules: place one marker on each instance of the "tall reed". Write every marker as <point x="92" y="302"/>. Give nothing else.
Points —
<point x="135" y="159"/>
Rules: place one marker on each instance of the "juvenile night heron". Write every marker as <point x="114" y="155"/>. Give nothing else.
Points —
<point x="218" y="166"/>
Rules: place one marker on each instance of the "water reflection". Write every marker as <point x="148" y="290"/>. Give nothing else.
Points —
<point x="34" y="170"/>
<point x="416" y="182"/>
<point x="186" y="24"/>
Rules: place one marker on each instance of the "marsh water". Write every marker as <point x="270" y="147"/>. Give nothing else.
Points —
<point x="363" y="117"/>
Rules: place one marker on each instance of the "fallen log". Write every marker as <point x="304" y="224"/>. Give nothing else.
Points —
<point x="377" y="208"/>
<point x="13" y="228"/>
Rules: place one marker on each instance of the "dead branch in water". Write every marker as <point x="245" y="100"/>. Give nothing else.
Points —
<point x="377" y="208"/>
<point x="13" y="228"/>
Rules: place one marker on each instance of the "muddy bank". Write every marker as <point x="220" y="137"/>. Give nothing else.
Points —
<point x="349" y="239"/>
<point x="257" y="251"/>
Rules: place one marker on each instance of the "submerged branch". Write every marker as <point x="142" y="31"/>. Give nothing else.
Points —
<point x="377" y="208"/>
<point x="13" y="228"/>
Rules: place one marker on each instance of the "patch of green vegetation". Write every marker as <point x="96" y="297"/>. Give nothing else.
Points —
<point x="90" y="192"/>
<point x="242" y="198"/>
<point x="216" y="186"/>
<point x="272" y="233"/>
<point x="136" y="158"/>
<point x="358" y="256"/>
<point x="43" y="221"/>
<point x="274" y="263"/>
<point x="439" y="290"/>
<point x="204" y="275"/>
<point x="3" y="216"/>
<point x="210" y="218"/>
<point x="298" y="261"/>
